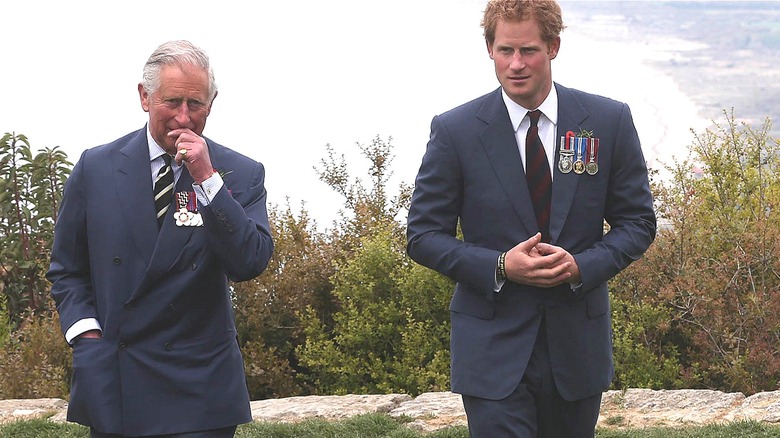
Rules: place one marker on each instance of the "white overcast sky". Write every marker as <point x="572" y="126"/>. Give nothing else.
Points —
<point x="294" y="76"/>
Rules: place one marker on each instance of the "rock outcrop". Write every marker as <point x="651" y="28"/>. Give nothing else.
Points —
<point x="636" y="408"/>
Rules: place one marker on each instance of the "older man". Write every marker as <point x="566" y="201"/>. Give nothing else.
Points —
<point x="152" y="227"/>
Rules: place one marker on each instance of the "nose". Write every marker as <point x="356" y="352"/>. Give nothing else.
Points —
<point x="517" y="62"/>
<point x="183" y="114"/>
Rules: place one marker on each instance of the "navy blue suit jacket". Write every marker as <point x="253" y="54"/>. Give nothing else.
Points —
<point x="472" y="175"/>
<point x="169" y="360"/>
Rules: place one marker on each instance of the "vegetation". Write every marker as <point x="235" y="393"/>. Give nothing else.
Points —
<point x="383" y="426"/>
<point x="345" y="310"/>
<point x="701" y="309"/>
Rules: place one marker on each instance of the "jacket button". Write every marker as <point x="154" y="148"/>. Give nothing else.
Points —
<point x="129" y="306"/>
<point x="122" y="345"/>
<point x="117" y="261"/>
<point x="194" y="266"/>
<point x="168" y="346"/>
<point x="171" y="307"/>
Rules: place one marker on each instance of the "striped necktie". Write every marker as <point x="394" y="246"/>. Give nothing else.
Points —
<point x="537" y="173"/>
<point x="163" y="189"/>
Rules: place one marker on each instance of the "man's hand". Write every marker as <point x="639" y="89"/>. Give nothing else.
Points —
<point x="90" y="334"/>
<point x="567" y="259"/>
<point x="191" y="149"/>
<point x="539" y="264"/>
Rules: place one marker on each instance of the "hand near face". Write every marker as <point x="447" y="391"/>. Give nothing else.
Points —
<point x="191" y="149"/>
<point x="539" y="264"/>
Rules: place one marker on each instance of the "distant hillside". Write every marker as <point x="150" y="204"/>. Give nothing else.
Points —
<point x="736" y="65"/>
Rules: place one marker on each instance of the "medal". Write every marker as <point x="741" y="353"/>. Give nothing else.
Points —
<point x="183" y="217"/>
<point x="579" y="165"/>
<point x="187" y="215"/>
<point x="564" y="156"/>
<point x="592" y="167"/>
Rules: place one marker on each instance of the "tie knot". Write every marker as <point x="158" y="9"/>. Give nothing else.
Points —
<point x="167" y="158"/>
<point x="534" y="116"/>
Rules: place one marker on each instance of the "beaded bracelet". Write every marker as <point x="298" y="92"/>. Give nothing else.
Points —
<point x="502" y="266"/>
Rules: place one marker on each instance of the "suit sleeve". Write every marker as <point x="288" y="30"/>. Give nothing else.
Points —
<point x="433" y="218"/>
<point x="629" y="211"/>
<point x="238" y="227"/>
<point x="69" y="271"/>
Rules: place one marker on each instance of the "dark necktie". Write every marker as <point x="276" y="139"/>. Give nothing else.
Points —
<point x="163" y="189"/>
<point x="537" y="173"/>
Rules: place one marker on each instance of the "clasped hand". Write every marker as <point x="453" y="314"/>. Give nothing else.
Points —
<point x="191" y="149"/>
<point x="535" y="263"/>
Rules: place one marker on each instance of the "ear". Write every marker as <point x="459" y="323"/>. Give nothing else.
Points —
<point x="144" y="97"/>
<point x="212" y="102"/>
<point x="553" y="47"/>
<point x="489" y="49"/>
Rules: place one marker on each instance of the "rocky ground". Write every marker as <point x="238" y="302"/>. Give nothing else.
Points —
<point x="635" y="408"/>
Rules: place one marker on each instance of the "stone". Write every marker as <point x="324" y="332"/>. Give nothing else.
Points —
<point x="763" y="406"/>
<point x="26" y="409"/>
<point x="646" y="407"/>
<point x="431" y="411"/>
<point x="331" y="407"/>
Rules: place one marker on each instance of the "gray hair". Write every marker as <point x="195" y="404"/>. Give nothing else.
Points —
<point x="180" y="53"/>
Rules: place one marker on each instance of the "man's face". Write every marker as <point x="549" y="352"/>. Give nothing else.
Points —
<point x="523" y="61"/>
<point x="181" y="101"/>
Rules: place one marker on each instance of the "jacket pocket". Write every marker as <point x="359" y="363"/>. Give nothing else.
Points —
<point x="470" y="301"/>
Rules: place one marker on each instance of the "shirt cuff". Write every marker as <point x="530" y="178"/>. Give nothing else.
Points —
<point x="207" y="190"/>
<point x="81" y="326"/>
<point x="499" y="280"/>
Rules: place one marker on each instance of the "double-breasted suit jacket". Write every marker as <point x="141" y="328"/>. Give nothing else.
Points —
<point x="472" y="175"/>
<point x="169" y="360"/>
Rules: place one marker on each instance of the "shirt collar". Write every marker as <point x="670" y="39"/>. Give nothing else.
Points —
<point x="517" y="113"/>
<point x="155" y="151"/>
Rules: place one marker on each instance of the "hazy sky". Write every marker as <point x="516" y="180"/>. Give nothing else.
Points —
<point x="293" y="77"/>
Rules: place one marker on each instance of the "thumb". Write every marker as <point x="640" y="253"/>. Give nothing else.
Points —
<point x="527" y="245"/>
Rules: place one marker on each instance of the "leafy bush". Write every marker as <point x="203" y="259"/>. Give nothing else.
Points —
<point x="36" y="360"/>
<point x="713" y="269"/>
<point x="30" y="192"/>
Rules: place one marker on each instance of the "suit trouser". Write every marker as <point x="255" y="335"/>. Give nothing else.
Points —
<point x="227" y="432"/>
<point x="535" y="409"/>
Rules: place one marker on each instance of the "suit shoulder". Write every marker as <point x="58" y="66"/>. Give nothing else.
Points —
<point x="100" y="152"/>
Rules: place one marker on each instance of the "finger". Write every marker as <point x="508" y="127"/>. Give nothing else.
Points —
<point x="179" y="131"/>
<point x="181" y="154"/>
<point x="528" y="245"/>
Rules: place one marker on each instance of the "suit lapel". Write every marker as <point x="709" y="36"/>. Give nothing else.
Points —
<point x="571" y="115"/>
<point x="500" y="144"/>
<point x="135" y="194"/>
<point x="172" y="237"/>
